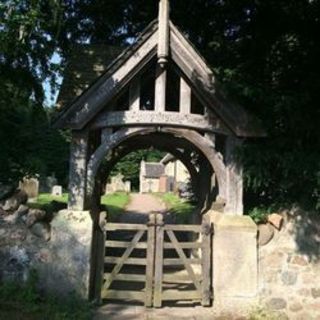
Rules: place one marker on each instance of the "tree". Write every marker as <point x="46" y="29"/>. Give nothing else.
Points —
<point x="265" y="54"/>
<point x="29" y="35"/>
<point x="129" y="166"/>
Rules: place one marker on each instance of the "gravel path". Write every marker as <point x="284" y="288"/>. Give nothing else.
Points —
<point x="145" y="203"/>
<point x="140" y="206"/>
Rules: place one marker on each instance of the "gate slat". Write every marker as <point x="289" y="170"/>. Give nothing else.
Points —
<point x="183" y="245"/>
<point x="125" y="226"/>
<point x="124" y="295"/>
<point x="124" y="244"/>
<point x="177" y="262"/>
<point x="131" y="261"/>
<point x="175" y="278"/>
<point x="127" y="277"/>
<point x="184" y="227"/>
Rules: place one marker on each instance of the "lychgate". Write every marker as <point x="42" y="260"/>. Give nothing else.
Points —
<point x="158" y="93"/>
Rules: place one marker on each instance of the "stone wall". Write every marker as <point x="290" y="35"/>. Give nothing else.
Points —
<point x="20" y="251"/>
<point x="57" y="244"/>
<point x="61" y="256"/>
<point x="289" y="267"/>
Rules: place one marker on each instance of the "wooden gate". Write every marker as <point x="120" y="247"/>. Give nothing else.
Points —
<point x="160" y="262"/>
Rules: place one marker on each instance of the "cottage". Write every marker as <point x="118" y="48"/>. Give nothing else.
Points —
<point x="165" y="176"/>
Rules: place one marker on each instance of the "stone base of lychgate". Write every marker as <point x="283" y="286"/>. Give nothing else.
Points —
<point x="70" y="246"/>
<point x="235" y="263"/>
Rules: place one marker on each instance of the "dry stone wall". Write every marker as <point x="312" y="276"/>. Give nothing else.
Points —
<point x="289" y="268"/>
<point x="55" y="243"/>
<point x="25" y="235"/>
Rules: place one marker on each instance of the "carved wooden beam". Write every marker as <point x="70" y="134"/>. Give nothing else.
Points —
<point x="144" y="117"/>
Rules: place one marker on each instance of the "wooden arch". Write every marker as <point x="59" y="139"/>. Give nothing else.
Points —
<point x="198" y="141"/>
<point x="193" y="138"/>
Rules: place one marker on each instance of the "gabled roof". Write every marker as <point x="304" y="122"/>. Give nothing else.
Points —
<point x="119" y="73"/>
<point x="167" y="158"/>
<point x="154" y="170"/>
<point x="63" y="117"/>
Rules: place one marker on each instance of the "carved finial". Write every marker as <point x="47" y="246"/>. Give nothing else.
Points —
<point x="163" y="45"/>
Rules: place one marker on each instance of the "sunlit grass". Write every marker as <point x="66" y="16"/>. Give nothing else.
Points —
<point x="115" y="203"/>
<point x="181" y="208"/>
<point x="46" y="198"/>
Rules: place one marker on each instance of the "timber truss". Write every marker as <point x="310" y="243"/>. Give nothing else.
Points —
<point x="158" y="93"/>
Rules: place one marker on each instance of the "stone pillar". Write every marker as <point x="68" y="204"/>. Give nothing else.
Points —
<point x="235" y="266"/>
<point x="70" y="246"/>
<point x="234" y="178"/>
<point x="78" y="170"/>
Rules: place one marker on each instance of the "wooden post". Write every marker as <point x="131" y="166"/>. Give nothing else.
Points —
<point x="160" y="89"/>
<point x="134" y="95"/>
<point x="100" y="239"/>
<point x="150" y="260"/>
<point x="78" y="171"/>
<point x="206" y="231"/>
<point x="185" y="97"/>
<point x="164" y="32"/>
<point x="105" y="134"/>
<point x="234" y="190"/>
<point x="157" y="299"/>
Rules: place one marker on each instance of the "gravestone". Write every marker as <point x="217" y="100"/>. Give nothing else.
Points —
<point x="127" y="186"/>
<point x="30" y="186"/>
<point x="117" y="184"/>
<point x="56" y="191"/>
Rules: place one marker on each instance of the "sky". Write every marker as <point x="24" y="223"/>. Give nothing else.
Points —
<point x="50" y="98"/>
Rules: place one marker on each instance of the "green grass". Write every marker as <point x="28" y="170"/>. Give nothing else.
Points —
<point x="115" y="203"/>
<point x="47" y="197"/>
<point x="49" y="203"/>
<point x="182" y="209"/>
